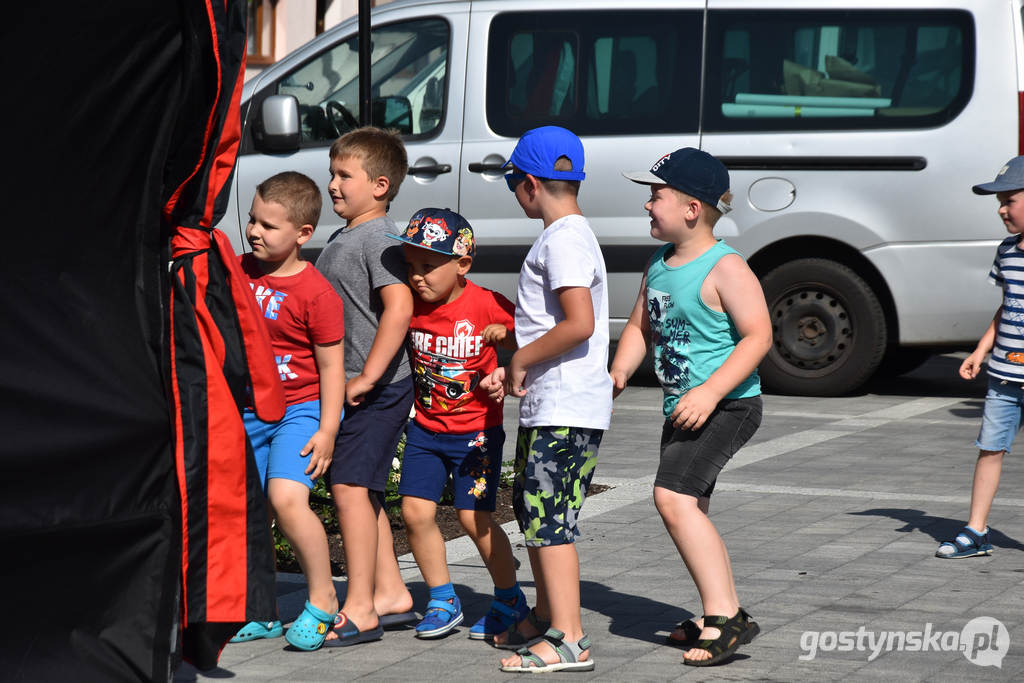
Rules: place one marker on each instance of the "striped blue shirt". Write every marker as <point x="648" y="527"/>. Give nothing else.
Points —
<point x="1007" y="360"/>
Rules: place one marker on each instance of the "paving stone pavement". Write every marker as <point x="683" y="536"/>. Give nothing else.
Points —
<point x="832" y="514"/>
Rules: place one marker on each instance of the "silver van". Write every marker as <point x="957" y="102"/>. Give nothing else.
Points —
<point x="852" y="130"/>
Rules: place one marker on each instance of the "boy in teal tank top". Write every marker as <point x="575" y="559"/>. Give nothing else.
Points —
<point x="702" y="310"/>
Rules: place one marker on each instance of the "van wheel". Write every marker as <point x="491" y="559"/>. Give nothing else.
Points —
<point x="828" y="329"/>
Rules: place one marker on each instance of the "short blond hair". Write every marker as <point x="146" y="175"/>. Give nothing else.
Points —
<point x="380" y="151"/>
<point x="297" y="193"/>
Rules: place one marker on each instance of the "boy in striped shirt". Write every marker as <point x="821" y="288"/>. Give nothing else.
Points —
<point x="1005" y="339"/>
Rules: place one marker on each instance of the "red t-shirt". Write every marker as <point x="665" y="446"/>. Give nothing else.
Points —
<point x="449" y="358"/>
<point x="299" y="311"/>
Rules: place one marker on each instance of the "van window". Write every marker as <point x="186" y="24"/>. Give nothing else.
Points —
<point x="597" y="73"/>
<point x="410" y="78"/>
<point x="795" y="70"/>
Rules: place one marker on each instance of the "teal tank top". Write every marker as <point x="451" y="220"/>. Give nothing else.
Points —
<point x="690" y="339"/>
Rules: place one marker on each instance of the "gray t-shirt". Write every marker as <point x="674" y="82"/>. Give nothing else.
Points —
<point x="358" y="262"/>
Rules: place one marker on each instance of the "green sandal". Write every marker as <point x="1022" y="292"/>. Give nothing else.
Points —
<point x="691" y="632"/>
<point x="733" y="630"/>
<point x="568" y="655"/>
<point x="517" y="640"/>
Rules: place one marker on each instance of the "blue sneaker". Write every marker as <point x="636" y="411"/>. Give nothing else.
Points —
<point x="968" y="543"/>
<point x="440" y="618"/>
<point x="500" y="618"/>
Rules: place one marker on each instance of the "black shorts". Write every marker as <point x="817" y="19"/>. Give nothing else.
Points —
<point x="691" y="460"/>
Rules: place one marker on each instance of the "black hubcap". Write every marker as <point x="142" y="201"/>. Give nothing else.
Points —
<point x="811" y="328"/>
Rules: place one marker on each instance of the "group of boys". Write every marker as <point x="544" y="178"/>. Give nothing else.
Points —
<point x="377" y="327"/>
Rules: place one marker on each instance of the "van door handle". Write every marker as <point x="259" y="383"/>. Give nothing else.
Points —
<point x="432" y="169"/>
<point x="484" y="167"/>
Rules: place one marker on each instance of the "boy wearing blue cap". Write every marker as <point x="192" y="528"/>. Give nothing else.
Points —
<point x="560" y="376"/>
<point x="702" y="310"/>
<point x="1005" y="398"/>
<point x="457" y="430"/>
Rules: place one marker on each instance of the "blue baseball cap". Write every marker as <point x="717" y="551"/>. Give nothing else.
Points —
<point x="1009" y="178"/>
<point x="440" y="230"/>
<point x="538" y="150"/>
<point x="691" y="171"/>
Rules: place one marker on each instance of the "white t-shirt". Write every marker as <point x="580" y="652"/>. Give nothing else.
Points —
<point x="574" y="389"/>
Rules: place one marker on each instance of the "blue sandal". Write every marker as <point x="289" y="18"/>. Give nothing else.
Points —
<point x="500" y="618"/>
<point x="310" y="630"/>
<point x="258" y="629"/>
<point x="968" y="543"/>
<point x="440" y="618"/>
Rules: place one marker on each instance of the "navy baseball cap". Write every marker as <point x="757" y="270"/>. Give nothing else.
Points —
<point x="691" y="171"/>
<point x="539" y="149"/>
<point x="440" y="230"/>
<point x="1009" y="178"/>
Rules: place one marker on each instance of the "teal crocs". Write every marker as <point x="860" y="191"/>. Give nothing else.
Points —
<point x="258" y="629"/>
<point x="310" y="630"/>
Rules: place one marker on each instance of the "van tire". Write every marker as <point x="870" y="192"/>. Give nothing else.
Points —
<point x="828" y="329"/>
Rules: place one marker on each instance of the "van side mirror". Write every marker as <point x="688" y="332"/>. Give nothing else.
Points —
<point x="279" y="124"/>
<point x="392" y="111"/>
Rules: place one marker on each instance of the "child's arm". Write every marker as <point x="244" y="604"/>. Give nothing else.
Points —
<point x="633" y="342"/>
<point x="391" y="331"/>
<point x="499" y="335"/>
<point x="971" y="366"/>
<point x="576" y="328"/>
<point x="330" y="364"/>
<point x="743" y="299"/>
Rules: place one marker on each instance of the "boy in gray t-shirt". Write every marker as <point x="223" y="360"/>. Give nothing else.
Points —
<point x="368" y="272"/>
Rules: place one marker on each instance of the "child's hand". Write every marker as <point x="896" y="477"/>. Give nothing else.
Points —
<point x="618" y="382"/>
<point x="494" y="385"/>
<point x="972" y="365"/>
<point x="320" y="449"/>
<point x="515" y="377"/>
<point x="494" y="334"/>
<point x="694" y="408"/>
<point x="356" y="389"/>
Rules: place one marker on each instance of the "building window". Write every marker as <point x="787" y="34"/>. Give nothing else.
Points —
<point x="260" y="42"/>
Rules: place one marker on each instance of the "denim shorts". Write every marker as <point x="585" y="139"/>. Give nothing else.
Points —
<point x="473" y="460"/>
<point x="277" y="445"/>
<point x="1002" y="416"/>
<point x="691" y="460"/>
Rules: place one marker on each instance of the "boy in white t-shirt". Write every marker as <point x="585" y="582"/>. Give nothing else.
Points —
<point x="560" y="374"/>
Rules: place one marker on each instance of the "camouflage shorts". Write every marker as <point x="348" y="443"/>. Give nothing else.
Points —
<point x="554" y="466"/>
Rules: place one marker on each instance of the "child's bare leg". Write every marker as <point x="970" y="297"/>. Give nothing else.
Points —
<point x="704" y="553"/>
<point x="304" y="530"/>
<point x="559" y="565"/>
<point x="358" y="521"/>
<point x="983" y="491"/>
<point x="390" y="596"/>
<point x="425" y="539"/>
<point x="491" y="541"/>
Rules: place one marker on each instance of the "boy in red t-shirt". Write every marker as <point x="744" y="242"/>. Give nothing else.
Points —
<point x="306" y="322"/>
<point x="457" y="430"/>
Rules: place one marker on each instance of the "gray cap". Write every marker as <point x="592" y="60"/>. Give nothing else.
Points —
<point x="1009" y="179"/>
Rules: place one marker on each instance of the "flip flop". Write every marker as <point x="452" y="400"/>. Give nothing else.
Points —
<point x="389" y="621"/>
<point x="349" y="634"/>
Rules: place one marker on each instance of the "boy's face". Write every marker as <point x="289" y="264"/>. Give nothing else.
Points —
<point x="1011" y="210"/>
<point x="669" y="210"/>
<point x="272" y="234"/>
<point x="353" y="192"/>
<point x="435" y="276"/>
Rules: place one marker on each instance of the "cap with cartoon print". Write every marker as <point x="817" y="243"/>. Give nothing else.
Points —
<point x="440" y="230"/>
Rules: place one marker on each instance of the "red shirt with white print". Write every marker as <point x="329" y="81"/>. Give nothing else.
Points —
<point x="299" y="311"/>
<point x="450" y="357"/>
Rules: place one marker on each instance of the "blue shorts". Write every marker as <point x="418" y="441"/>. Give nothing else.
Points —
<point x="369" y="435"/>
<point x="473" y="460"/>
<point x="277" y="445"/>
<point x="1002" y="417"/>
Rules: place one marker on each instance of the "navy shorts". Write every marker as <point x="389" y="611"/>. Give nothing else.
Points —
<point x="691" y="460"/>
<point x="369" y="435"/>
<point x="473" y="460"/>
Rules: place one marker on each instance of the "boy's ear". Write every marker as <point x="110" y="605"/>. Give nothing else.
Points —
<point x="305" y="233"/>
<point x="694" y="209"/>
<point x="464" y="263"/>
<point x="380" y="187"/>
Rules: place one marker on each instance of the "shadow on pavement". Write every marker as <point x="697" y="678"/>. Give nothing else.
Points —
<point x="939" y="528"/>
